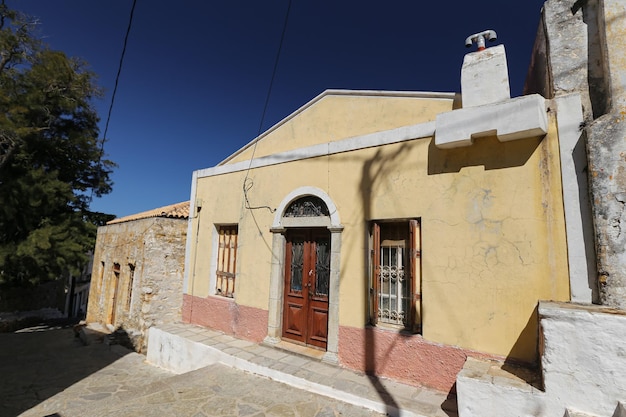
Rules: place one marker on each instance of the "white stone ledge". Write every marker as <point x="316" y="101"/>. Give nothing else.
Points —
<point x="518" y="118"/>
<point x="386" y="137"/>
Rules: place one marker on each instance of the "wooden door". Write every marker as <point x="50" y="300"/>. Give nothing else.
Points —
<point x="307" y="279"/>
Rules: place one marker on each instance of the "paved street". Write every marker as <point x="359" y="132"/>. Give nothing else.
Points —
<point x="49" y="372"/>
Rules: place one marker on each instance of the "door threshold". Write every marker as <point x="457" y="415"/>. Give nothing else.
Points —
<point x="306" y="351"/>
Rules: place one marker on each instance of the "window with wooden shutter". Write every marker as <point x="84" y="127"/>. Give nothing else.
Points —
<point x="396" y="274"/>
<point x="226" y="261"/>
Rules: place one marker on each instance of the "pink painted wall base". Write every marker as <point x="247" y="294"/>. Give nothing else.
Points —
<point x="404" y="357"/>
<point x="223" y="314"/>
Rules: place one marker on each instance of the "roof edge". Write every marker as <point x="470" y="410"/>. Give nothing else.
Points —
<point x="172" y="211"/>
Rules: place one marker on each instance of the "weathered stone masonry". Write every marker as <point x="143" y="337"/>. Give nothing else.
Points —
<point x="146" y="258"/>
<point x="581" y="46"/>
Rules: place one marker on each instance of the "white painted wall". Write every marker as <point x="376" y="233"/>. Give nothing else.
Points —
<point x="583" y="364"/>
<point x="485" y="77"/>
<point x="581" y="252"/>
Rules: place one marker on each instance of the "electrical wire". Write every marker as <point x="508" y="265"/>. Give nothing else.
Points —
<point x="119" y="71"/>
<point x="117" y="79"/>
<point x="247" y="182"/>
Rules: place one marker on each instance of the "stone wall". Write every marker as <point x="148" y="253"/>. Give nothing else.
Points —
<point x="155" y="248"/>
<point x="579" y="49"/>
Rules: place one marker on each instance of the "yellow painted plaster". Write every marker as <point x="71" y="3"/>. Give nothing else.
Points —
<point x="339" y="116"/>
<point x="493" y="236"/>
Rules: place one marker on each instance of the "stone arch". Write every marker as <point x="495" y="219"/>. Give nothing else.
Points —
<point x="303" y="192"/>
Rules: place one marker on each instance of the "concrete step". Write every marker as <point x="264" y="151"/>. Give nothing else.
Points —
<point x="182" y="347"/>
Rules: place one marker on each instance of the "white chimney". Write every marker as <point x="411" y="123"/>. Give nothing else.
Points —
<point x="485" y="74"/>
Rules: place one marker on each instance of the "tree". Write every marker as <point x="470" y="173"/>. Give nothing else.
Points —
<point x="50" y="157"/>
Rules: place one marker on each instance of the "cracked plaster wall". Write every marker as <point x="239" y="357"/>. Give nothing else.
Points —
<point x="493" y="235"/>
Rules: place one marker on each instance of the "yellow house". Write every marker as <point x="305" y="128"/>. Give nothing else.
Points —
<point x="392" y="232"/>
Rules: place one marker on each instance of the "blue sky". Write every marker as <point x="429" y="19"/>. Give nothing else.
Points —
<point x="196" y="73"/>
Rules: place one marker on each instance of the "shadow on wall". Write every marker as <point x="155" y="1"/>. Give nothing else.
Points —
<point x="486" y="151"/>
<point x="526" y="342"/>
<point x="375" y="171"/>
<point x="582" y="168"/>
<point x="377" y="167"/>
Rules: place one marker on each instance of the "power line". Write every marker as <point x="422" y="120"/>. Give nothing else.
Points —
<point x="119" y="71"/>
<point x="117" y="79"/>
<point x="269" y="90"/>
<point x="248" y="184"/>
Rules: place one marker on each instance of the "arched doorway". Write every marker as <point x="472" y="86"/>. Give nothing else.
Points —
<point x="304" y="285"/>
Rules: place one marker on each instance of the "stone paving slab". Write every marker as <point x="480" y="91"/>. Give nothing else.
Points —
<point x="218" y="390"/>
<point x="125" y="374"/>
<point x="51" y="373"/>
<point x="39" y="364"/>
<point x="113" y="381"/>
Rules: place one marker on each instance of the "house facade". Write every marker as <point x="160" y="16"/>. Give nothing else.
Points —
<point x="137" y="272"/>
<point x="399" y="233"/>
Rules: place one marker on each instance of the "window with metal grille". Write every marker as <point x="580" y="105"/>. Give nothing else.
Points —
<point x="226" y="260"/>
<point x="395" y="274"/>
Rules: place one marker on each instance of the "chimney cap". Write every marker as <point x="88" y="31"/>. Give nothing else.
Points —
<point x="480" y="37"/>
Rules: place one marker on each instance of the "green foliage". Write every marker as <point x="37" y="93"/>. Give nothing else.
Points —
<point x="50" y="157"/>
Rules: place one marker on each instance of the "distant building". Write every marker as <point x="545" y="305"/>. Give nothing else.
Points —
<point x="138" y="271"/>
<point x="77" y="289"/>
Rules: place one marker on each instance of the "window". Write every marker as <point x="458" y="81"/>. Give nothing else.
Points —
<point x="114" y="289"/>
<point x="226" y="260"/>
<point x="395" y="274"/>
<point x="100" y="283"/>
<point x="129" y="291"/>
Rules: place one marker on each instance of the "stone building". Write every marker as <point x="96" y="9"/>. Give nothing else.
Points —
<point x="138" y="271"/>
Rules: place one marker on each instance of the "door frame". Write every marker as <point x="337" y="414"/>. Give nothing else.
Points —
<point x="113" y="290"/>
<point x="279" y="228"/>
<point x="303" y="303"/>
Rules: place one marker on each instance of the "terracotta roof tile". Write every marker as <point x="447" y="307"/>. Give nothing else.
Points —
<point x="174" y="211"/>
